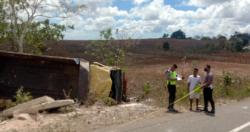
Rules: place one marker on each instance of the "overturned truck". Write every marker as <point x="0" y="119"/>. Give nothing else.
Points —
<point x="57" y="77"/>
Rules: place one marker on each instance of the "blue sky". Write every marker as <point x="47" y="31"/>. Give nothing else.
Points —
<point x="152" y="18"/>
<point x="177" y="4"/>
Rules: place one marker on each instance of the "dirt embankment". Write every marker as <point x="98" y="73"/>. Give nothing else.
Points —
<point x="83" y="119"/>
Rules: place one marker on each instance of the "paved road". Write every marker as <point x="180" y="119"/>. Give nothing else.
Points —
<point x="231" y="118"/>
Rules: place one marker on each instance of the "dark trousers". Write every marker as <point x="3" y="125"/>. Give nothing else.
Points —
<point x="208" y="97"/>
<point x="171" y="99"/>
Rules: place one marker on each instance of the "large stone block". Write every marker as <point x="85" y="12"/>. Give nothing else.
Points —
<point x="28" y="106"/>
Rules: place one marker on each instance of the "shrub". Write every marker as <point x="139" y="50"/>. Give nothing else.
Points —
<point x="106" y="50"/>
<point x="109" y="101"/>
<point x="211" y="47"/>
<point x="20" y="97"/>
<point x="146" y="89"/>
<point x="206" y="48"/>
<point x="166" y="46"/>
<point x="237" y="45"/>
<point x="165" y="35"/>
<point x="227" y="79"/>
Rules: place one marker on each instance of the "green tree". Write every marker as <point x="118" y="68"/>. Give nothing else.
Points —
<point x="106" y="34"/>
<point x="236" y="44"/>
<point x="210" y="48"/>
<point x="244" y="37"/>
<point x="2" y="22"/>
<point x="205" y="38"/>
<point x="222" y="40"/>
<point x="238" y="41"/>
<point x="178" y="35"/>
<point x="166" y="46"/>
<point x="41" y="32"/>
<point x="105" y="50"/>
<point x="165" y="35"/>
<point x="23" y="17"/>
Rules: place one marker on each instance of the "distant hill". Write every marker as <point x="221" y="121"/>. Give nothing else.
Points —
<point x="141" y="48"/>
<point x="76" y="48"/>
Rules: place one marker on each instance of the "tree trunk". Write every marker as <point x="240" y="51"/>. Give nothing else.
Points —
<point x="20" y="45"/>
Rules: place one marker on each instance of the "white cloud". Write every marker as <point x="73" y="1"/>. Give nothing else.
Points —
<point x="155" y="17"/>
<point x="138" y="2"/>
<point x="151" y="18"/>
<point x="111" y="11"/>
<point x="150" y="11"/>
<point x="204" y="3"/>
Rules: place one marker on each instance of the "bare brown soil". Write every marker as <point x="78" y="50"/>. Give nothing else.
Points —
<point x="150" y="69"/>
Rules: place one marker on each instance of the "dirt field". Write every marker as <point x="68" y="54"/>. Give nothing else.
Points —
<point x="150" y="69"/>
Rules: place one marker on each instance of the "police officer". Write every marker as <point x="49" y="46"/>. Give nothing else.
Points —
<point x="171" y="76"/>
<point x="208" y="90"/>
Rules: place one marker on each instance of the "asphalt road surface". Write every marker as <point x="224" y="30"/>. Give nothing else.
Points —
<point x="233" y="117"/>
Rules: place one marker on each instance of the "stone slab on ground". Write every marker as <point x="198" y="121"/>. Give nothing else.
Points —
<point x="23" y="116"/>
<point x="55" y="104"/>
<point x="27" y="105"/>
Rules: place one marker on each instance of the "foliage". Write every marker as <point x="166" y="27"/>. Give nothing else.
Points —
<point x="109" y="101"/>
<point x="106" y="34"/>
<point x="20" y="97"/>
<point x="106" y="51"/>
<point x="226" y="86"/>
<point x="165" y="35"/>
<point x="238" y="41"/>
<point x="205" y="38"/>
<point x="211" y="47"/>
<point x="236" y="44"/>
<point x="222" y="42"/>
<point x="178" y="35"/>
<point x="232" y="86"/>
<point x="92" y="99"/>
<point x="227" y="79"/>
<point x="2" y="22"/>
<point x="245" y="37"/>
<point x="41" y="32"/>
<point x="146" y="89"/>
<point x="26" y="26"/>
<point x="166" y="46"/>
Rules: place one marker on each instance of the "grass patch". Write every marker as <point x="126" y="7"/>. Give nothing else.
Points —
<point x="227" y="86"/>
<point x="20" y="97"/>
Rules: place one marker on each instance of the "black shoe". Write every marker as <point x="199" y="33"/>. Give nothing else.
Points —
<point x="172" y="110"/>
<point x="212" y="112"/>
<point x="205" y="110"/>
